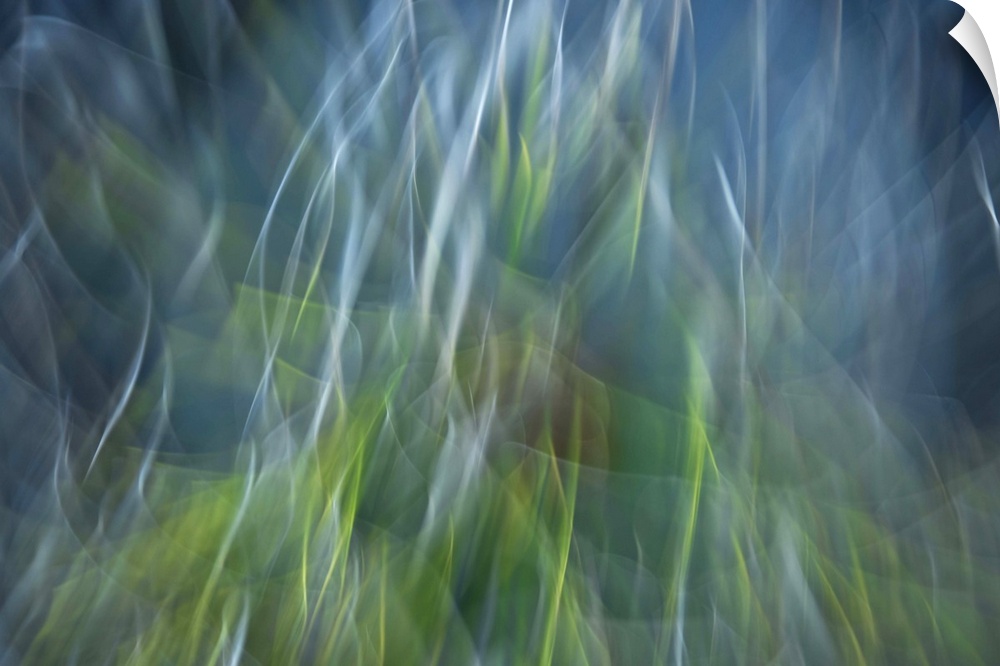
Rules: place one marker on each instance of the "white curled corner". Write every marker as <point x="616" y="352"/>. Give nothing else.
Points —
<point x="980" y="36"/>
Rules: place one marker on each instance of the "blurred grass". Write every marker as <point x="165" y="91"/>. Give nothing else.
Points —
<point x="482" y="485"/>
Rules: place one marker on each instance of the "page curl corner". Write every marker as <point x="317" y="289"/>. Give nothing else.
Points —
<point x="979" y="34"/>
